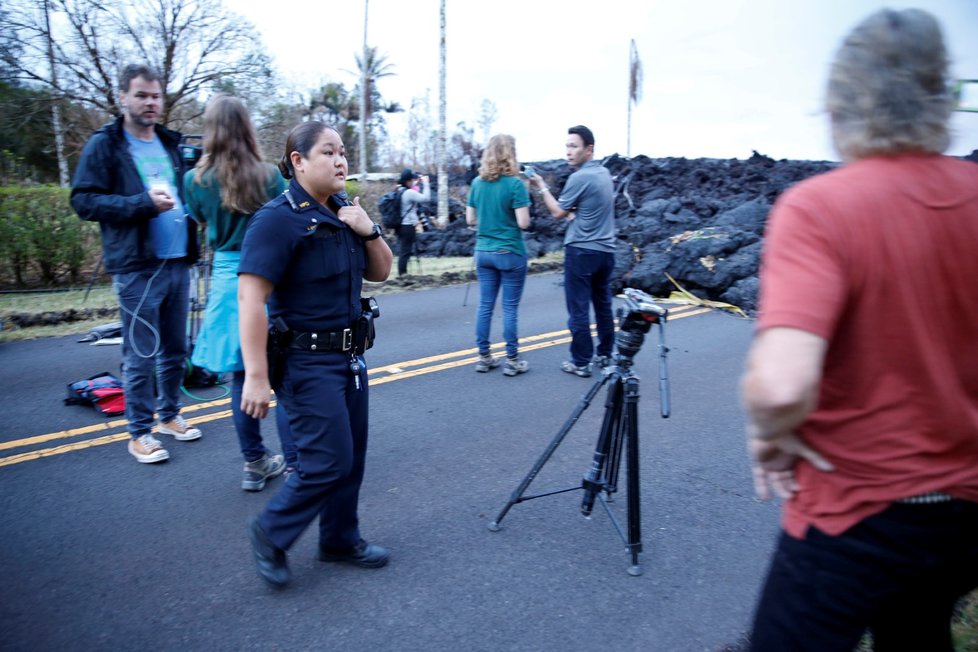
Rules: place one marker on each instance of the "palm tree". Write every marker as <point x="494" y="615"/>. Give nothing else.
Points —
<point x="371" y="66"/>
<point x="377" y="68"/>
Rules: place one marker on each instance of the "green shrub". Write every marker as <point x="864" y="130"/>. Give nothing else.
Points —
<point x="41" y="238"/>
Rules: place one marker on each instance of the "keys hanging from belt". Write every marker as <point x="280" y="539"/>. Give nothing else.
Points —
<point x="355" y="367"/>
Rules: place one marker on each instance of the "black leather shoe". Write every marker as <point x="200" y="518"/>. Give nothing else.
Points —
<point x="364" y="555"/>
<point x="270" y="560"/>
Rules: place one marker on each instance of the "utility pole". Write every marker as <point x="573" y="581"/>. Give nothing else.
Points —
<point x="59" y="138"/>
<point x="442" y="130"/>
<point x="363" y="97"/>
<point x="634" y="90"/>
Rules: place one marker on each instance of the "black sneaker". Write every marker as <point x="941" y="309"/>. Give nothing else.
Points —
<point x="363" y="554"/>
<point x="271" y="562"/>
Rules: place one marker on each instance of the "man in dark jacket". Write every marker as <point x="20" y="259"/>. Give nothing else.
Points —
<point x="128" y="180"/>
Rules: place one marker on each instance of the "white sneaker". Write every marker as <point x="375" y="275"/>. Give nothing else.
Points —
<point x="180" y="429"/>
<point x="147" y="449"/>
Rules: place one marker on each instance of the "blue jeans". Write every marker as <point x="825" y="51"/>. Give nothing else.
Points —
<point x="497" y="268"/>
<point x="249" y="428"/>
<point x="898" y="573"/>
<point x="587" y="280"/>
<point x="154" y="305"/>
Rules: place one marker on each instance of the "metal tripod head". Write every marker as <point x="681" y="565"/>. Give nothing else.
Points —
<point x="636" y="318"/>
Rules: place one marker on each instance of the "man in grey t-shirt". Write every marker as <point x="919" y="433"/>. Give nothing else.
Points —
<point x="587" y="200"/>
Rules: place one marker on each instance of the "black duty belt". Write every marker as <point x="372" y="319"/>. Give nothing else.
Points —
<point x="323" y="341"/>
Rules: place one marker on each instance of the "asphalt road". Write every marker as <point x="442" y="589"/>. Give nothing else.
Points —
<point x="101" y="553"/>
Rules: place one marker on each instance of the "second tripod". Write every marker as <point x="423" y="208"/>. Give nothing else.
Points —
<point x="619" y="429"/>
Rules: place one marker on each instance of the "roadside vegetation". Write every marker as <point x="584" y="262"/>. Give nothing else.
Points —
<point x="100" y="303"/>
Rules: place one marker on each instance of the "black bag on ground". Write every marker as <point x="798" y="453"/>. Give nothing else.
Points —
<point x="390" y="209"/>
<point x="102" y="391"/>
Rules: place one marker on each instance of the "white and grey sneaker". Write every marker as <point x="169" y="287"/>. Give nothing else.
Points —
<point x="515" y="366"/>
<point x="486" y="362"/>
<point x="257" y="473"/>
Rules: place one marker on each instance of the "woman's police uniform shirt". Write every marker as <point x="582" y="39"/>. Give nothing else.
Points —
<point x="314" y="261"/>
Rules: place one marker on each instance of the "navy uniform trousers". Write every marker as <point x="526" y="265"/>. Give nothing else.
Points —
<point x="328" y="417"/>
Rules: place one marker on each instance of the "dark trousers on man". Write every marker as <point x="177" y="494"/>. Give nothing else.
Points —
<point x="898" y="574"/>
<point x="405" y="247"/>
<point x="587" y="280"/>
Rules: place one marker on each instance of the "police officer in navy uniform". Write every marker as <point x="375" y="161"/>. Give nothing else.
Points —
<point x="305" y="255"/>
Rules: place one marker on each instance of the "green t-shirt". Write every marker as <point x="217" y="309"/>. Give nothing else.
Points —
<point x="225" y="230"/>
<point x="495" y="204"/>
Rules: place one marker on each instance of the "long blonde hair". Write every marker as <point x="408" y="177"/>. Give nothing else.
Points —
<point x="231" y="151"/>
<point x="499" y="158"/>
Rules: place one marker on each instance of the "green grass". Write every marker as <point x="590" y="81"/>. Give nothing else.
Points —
<point x="40" y="302"/>
<point x="103" y="297"/>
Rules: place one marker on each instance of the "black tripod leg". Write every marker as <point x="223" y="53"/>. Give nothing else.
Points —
<point x="559" y="437"/>
<point x="634" y="508"/>
<point x="594" y="481"/>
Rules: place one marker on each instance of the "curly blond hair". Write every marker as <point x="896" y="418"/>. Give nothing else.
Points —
<point x="499" y="158"/>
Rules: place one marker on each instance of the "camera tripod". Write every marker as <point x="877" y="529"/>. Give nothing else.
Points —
<point x="619" y="429"/>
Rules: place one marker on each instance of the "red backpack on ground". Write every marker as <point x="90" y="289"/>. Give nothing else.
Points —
<point x="102" y="391"/>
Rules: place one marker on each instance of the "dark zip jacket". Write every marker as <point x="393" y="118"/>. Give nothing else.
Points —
<point x="107" y="189"/>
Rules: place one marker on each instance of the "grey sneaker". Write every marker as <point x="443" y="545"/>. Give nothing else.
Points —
<point x="602" y="361"/>
<point x="486" y="362"/>
<point x="571" y="368"/>
<point x="515" y="366"/>
<point x="261" y="470"/>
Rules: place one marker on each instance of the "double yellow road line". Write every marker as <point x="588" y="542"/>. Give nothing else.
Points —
<point x="378" y="376"/>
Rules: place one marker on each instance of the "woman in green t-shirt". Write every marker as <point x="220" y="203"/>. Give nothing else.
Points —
<point x="230" y="183"/>
<point x="499" y="204"/>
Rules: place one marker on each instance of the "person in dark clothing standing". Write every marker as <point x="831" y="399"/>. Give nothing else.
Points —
<point x="588" y="201"/>
<point x="305" y="255"/>
<point x="410" y="198"/>
<point x="129" y="181"/>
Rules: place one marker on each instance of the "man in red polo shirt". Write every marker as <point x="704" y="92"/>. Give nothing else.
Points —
<point x="862" y="382"/>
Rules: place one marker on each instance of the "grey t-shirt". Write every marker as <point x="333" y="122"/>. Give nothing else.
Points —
<point x="590" y="194"/>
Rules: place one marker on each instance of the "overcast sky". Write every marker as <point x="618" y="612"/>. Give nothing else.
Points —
<point x="722" y="77"/>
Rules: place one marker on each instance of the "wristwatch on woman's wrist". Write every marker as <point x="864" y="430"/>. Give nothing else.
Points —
<point x="375" y="233"/>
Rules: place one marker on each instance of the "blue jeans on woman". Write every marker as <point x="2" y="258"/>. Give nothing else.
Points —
<point x="495" y="269"/>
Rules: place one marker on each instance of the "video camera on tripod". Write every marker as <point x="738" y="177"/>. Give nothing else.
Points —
<point x="619" y="429"/>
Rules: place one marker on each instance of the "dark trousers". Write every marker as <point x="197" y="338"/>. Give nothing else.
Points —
<point x="405" y="247"/>
<point x="587" y="280"/>
<point x="249" y="428"/>
<point x="328" y="420"/>
<point x="898" y="573"/>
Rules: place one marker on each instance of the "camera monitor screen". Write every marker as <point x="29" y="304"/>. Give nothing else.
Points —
<point x="966" y="92"/>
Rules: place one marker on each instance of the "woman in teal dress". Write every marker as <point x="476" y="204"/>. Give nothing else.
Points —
<point x="223" y="191"/>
